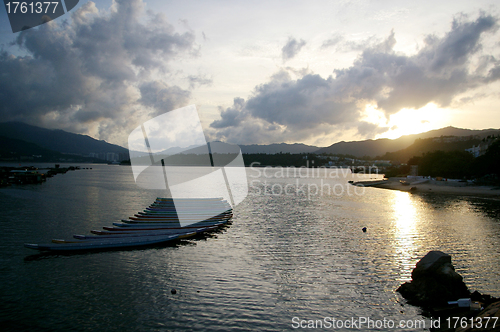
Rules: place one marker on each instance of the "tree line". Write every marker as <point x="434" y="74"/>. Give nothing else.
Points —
<point x="454" y="164"/>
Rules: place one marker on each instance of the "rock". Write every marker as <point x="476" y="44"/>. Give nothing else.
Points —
<point x="434" y="282"/>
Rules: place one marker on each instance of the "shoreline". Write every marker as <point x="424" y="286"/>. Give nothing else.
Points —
<point x="441" y="187"/>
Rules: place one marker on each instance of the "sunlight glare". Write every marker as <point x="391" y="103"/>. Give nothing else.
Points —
<point x="404" y="211"/>
<point x="405" y="218"/>
<point x="411" y="121"/>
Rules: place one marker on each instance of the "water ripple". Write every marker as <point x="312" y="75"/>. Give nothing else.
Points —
<point x="284" y="256"/>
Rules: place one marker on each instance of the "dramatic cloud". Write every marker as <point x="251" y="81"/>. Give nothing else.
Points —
<point x="232" y="116"/>
<point x="292" y="109"/>
<point x="291" y="48"/>
<point x="96" y="72"/>
<point x="161" y="97"/>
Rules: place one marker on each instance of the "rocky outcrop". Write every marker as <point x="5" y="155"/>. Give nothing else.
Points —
<point x="434" y="282"/>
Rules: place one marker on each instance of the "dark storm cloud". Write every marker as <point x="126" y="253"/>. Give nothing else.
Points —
<point x="291" y="48"/>
<point x="310" y="105"/>
<point x="93" y="69"/>
<point x="285" y="101"/>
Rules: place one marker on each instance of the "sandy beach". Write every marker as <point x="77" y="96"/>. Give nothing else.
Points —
<point x="441" y="187"/>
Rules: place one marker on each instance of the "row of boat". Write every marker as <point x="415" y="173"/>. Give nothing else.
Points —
<point x="156" y="224"/>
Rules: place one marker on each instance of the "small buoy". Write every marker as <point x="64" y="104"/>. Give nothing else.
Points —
<point x="173" y="291"/>
<point x="364" y="229"/>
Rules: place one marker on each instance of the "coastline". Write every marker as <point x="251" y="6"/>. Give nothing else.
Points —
<point x="441" y="187"/>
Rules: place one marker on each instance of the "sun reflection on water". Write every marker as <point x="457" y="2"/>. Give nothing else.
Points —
<point x="405" y="230"/>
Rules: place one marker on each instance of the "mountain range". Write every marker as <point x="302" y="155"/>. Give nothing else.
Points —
<point x="52" y="141"/>
<point x="368" y="148"/>
<point x="13" y="149"/>
<point x="57" y="140"/>
<point x="379" y="147"/>
<point x="278" y="148"/>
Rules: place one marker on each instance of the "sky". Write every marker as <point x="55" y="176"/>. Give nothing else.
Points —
<point x="259" y="72"/>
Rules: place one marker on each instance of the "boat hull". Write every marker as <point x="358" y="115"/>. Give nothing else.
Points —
<point x="106" y="244"/>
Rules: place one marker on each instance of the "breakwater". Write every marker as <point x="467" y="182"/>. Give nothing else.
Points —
<point x="22" y="175"/>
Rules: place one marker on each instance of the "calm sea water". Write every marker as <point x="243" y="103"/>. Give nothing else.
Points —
<point x="295" y="249"/>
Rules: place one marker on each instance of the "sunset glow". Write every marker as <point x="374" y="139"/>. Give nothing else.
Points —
<point x="409" y="121"/>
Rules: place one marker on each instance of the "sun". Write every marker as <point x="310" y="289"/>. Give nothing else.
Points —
<point x="408" y="121"/>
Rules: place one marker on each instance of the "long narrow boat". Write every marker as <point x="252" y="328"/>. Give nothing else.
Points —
<point x="184" y="202"/>
<point x="172" y="222"/>
<point x="133" y="220"/>
<point x="107" y="243"/>
<point x="187" y="219"/>
<point x="118" y="237"/>
<point x="185" y="210"/>
<point x="175" y="216"/>
<point x="112" y="239"/>
<point x="166" y="225"/>
<point x="122" y="230"/>
<point x="143" y="233"/>
<point x="174" y="213"/>
<point x="192" y="203"/>
<point x="169" y="199"/>
<point x="167" y="222"/>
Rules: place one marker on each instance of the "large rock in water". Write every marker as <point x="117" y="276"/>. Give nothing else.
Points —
<point x="434" y="282"/>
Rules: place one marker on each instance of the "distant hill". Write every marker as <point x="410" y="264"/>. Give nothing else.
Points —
<point x="379" y="147"/>
<point x="424" y="145"/>
<point x="57" y="140"/>
<point x="14" y="149"/>
<point x="277" y="148"/>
